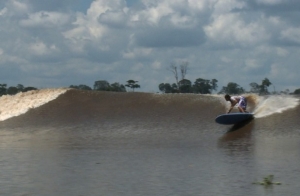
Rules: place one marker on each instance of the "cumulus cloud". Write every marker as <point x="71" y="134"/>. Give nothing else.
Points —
<point x="232" y="30"/>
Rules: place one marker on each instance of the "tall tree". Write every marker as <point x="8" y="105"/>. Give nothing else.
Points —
<point x="132" y="84"/>
<point x="264" y="86"/>
<point x="173" y="69"/>
<point x="183" y="69"/>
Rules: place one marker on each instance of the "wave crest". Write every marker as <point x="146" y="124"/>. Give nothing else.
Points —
<point x="15" y="105"/>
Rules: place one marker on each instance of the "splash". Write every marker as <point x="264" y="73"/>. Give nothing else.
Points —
<point x="15" y="105"/>
<point x="274" y="104"/>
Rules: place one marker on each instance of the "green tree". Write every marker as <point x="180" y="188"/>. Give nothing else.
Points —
<point x="175" y="88"/>
<point x="185" y="86"/>
<point x="232" y="88"/>
<point x="297" y="91"/>
<point x="165" y="88"/>
<point x="81" y="87"/>
<point x="20" y="88"/>
<point x="101" y="85"/>
<point x="255" y="88"/>
<point x="29" y="89"/>
<point x="214" y="85"/>
<point x="116" y="87"/>
<point x="12" y="90"/>
<point x="3" y="89"/>
<point x="132" y="84"/>
<point x="202" y="86"/>
<point x="264" y="86"/>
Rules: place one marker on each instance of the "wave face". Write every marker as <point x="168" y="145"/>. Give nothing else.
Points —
<point x="132" y="112"/>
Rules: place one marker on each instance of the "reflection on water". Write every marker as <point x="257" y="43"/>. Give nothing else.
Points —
<point x="218" y="163"/>
<point x="238" y="138"/>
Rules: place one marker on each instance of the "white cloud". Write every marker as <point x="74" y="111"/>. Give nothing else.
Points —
<point x="18" y="6"/>
<point x="232" y="30"/>
<point x="94" y="26"/>
<point x="291" y="34"/>
<point x="153" y="13"/>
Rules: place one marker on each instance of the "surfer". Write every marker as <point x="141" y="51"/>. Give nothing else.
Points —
<point x="240" y="100"/>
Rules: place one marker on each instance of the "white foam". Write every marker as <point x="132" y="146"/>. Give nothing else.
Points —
<point x="274" y="104"/>
<point x="15" y="105"/>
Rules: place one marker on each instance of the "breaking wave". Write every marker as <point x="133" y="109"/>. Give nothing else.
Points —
<point x="274" y="104"/>
<point x="139" y="107"/>
<point x="15" y="105"/>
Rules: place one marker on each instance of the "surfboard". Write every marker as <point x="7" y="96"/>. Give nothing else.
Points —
<point x="233" y="118"/>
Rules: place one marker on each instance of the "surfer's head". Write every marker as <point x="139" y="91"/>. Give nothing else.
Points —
<point x="227" y="97"/>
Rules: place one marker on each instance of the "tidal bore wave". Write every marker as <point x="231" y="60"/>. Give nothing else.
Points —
<point x="65" y="107"/>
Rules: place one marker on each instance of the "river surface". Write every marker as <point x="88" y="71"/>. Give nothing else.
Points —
<point x="85" y="143"/>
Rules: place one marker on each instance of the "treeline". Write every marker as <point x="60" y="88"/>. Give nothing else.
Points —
<point x="12" y="90"/>
<point x="200" y="86"/>
<point x="103" y="85"/>
<point x="205" y="86"/>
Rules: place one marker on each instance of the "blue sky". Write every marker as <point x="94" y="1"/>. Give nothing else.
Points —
<point x="59" y="43"/>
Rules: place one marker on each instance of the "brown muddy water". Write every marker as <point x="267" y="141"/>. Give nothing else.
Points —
<point x="70" y="142"/>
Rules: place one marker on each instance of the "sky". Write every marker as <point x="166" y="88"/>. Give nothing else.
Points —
<point x="58" y="43"/>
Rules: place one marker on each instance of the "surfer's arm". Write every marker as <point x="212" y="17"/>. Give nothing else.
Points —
<point x="230" y="109"/>
<point x="232" y="105"/>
